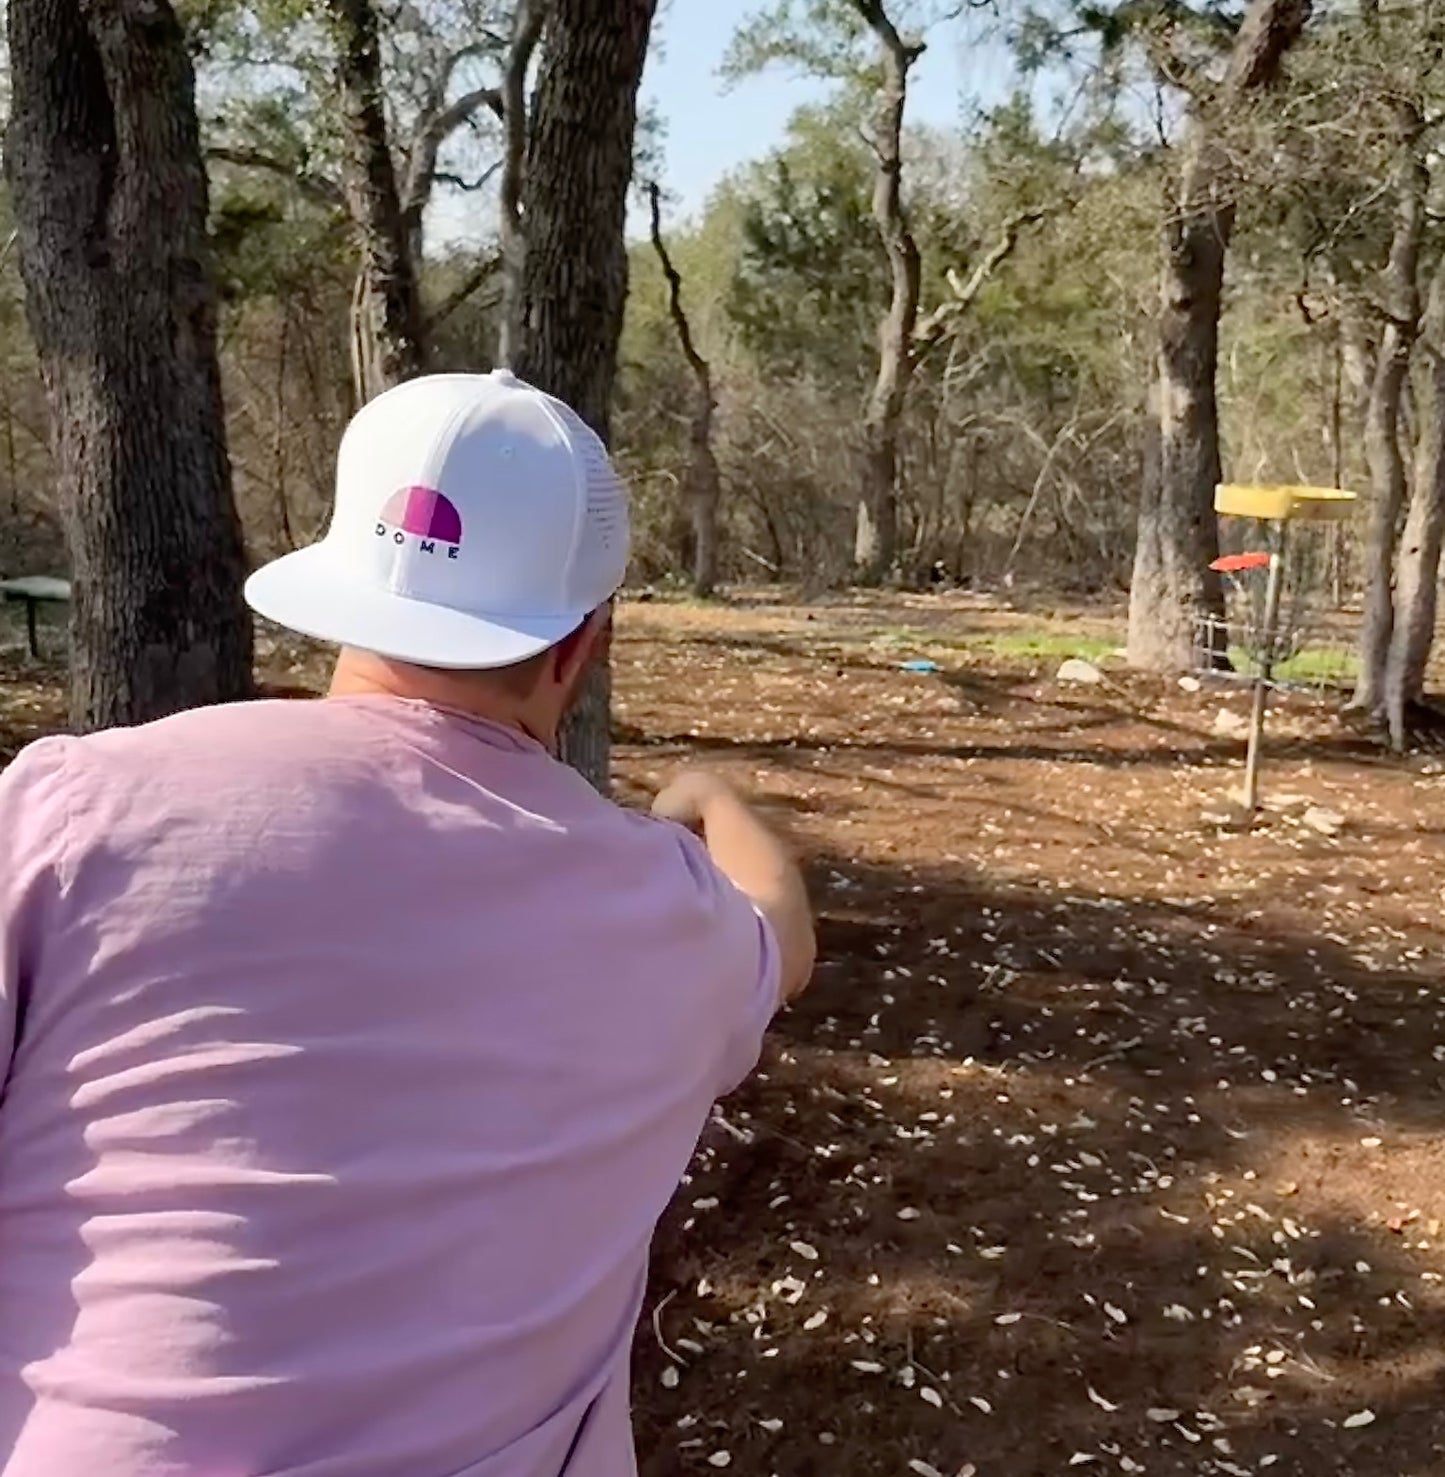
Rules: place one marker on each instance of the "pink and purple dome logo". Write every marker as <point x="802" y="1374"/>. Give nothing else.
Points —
<point x="426" y="515"/>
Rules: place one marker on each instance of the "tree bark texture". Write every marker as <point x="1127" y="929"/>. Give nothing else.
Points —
<point x="574" y="189"/>
<point x="1388" y="480"/>
<point x="104" y="162"/>
<point x="704" y="481"/>
<point x="1417" y="567"/>
<point x="706" y="498"/>
<point x="1174" y="595"/>
<point x="875" y="549"/>
<point x="527" y="21"/>
<point x="387" y="320"/>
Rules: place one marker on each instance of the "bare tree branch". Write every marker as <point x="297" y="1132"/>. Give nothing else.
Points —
<point x="462" y="183"/>
<point x="470" y="285"/>
<point x="879" y="22"/>
<point x="467" y="106"/>
<point x="434" y="129"/>
<point x="1267" y="33"/>
<point x="314" y="186"/>
<point x="875" y="548"/>
<point x="530" y="17"/>
<point x="1170" y="67"/>
<point x="699" y="366"/>
<point x="703" y="478"/>
<point x="938" y="322"/>
<point x="528" y="22"/>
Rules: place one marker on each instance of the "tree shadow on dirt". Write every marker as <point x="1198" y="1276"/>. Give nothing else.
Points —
<point x="1111" y="756"/>
<point x="991" y="691"/>
<point x="1026" y="1183"/>
<point x="1163" y="988"/>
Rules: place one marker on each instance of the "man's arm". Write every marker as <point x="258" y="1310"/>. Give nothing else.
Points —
<point x="755" y="861"/>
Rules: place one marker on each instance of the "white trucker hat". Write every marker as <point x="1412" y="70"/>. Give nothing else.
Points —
<point x="477" y="522"/>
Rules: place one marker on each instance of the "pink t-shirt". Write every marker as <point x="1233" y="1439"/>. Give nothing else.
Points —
<point x="350" y="1051"/>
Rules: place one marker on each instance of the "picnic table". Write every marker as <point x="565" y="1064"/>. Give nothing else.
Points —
<point x="35" y="590"/>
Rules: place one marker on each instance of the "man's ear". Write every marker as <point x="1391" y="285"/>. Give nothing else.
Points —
<point x="588" y="643"/>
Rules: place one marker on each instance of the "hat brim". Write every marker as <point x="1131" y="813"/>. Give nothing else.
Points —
<point x="306" y="593"/>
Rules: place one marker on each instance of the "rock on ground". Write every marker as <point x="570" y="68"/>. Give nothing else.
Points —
<point x="1082" y="672"/>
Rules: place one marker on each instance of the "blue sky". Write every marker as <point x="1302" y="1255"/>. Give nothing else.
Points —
<point x="711" y="129"/>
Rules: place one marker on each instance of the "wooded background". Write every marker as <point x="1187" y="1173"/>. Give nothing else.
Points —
<point x="1197" y="239"/>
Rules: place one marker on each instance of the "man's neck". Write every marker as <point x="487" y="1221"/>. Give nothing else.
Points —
<point x="360" y="674"/>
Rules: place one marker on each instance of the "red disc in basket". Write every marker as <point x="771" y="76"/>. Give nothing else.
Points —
<point x="1236" y="563"/>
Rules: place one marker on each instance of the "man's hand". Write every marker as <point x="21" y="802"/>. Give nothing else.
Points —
<point x="687" y="798"/>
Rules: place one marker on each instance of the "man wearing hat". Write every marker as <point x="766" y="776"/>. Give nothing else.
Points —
<point x="350" y="1050"/>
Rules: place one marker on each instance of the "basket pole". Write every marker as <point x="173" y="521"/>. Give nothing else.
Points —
<point x="1266" y="673"/>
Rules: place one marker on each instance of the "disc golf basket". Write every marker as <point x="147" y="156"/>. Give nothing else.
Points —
<point x="1278" y="508"/>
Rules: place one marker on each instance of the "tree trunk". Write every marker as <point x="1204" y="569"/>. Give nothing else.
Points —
<point x="875" y="549"/>
<point x="387" y="321"/>
<point x="574" y="271"/>
<point x="104" y="163"/>
<point x="703" y="478"/>
<point x="706" y="493"/>
<point x="1355" y="350"/>
<point x="1382" y="424"/>
<point x="1176" y="603"/>
<point x="278" y="438"/>
<point x="528" y="18"/>
<point x="1387" y="500"/>
<point x="1357" y="354"/>
<point x="875" y="543"/>
<point x="1175" y="599"/>
<point x="1417" y="571"/>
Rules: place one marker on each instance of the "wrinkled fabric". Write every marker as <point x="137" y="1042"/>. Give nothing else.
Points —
<point x="350" y="1051"/>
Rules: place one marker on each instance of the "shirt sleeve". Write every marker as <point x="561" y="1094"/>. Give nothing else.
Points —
<point x="740" y="942"/>
<point x="32" y="843"/>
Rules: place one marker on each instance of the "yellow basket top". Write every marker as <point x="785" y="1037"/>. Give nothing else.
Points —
<point x="1277" y="501"/>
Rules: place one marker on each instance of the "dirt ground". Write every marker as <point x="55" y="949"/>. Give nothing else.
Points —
<point x="1109" y="1138"/>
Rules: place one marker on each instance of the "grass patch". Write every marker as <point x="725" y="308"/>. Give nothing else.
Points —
<point x="1045" y="645"/>
<point x="1320" y="665"/>
<point x="1022" y="647"/>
